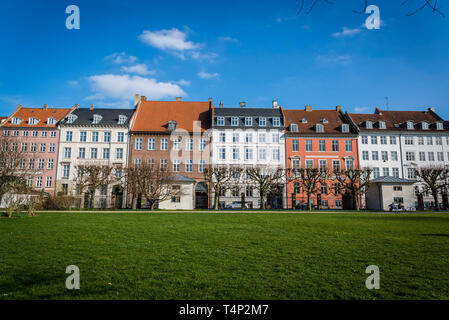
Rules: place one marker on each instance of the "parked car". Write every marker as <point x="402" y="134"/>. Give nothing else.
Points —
<point x="236" y="205"/>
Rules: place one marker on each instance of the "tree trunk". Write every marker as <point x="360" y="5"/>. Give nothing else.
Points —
<point x="355" y="201"/>
<point x="134" y="203"/>
<point x="262" y="201"/>
<point x="152" y="205"/>
<point x="216" y="200"/>
<point x="435" y="199"/>
<point x="309" y="204"/>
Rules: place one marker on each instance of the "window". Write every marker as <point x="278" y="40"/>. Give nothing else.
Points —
<point x="52" y="147"/>
<point x="248" y="154"/>
<point x="392" y="140"/>
<point x="276" y="122"/>
<point x="275" y="138"/>
<point x="164" y="164"/>
<point x="262" y="137"/>
<point x="107" y="137"/>
<point x="295" y="145"/>
<point x="33" y="121"/>
<point x="440" y="156"/>
<point x="296" y="164"/>
<point x="396" y="172"/>
<point x="190" y="144"/>
<point x="121" y="119"/>
<point x="336" y="165"/>
<point x="82" y="153"/>
<point x="48" y="182"/>
<point x="41" y="164"/>
<point x="348" y="145"/>
<point x="83" y="136"/>
<point x="376" y="173"/>
<point x="386" y="172"/>
<point x="323" y="165"/>
<point x="106" y="153"/>
<point x="201" y="165"/>
<point x="422" y="156"/>
<point x="309" y="164"/>
<point x="294" y="127"/>
<point x="42" y="147"/>
<point x="337" y="188"/>
<point x="249" y="191"/>
<point x="235" y="154"/>
<point x="222" y="153"/>
<point x="34" y="134"/>
<point x="97" y="119"/>
<point x="202" y="144"/>
<point x="176" y="199"/>
<point x="425" y="125"/>
<point x="139" y="143"/>
<point x="120" y="136"/>
<point x="322" y="145"/>
<point x="15" y="133"/>
<point x="411" y="173"/>
<point x="431" y="156"/>
<point x="235" y="137"/>
<point x="52" y="134"/>
<point x="421" y="141"/>
<point x="119" y="153"/>
<point x="373" y="139"/>
<point x="249" y="138"/>
<point x="67" y="153"/>
<point x="93" y="153"/>
<point x="151" y="144"/>
<point x="164" y="144"/>
<point x="176" y="165"/>
<point x="439" y="141"/>
<point x="349" y="164"/>
<point x="309" y="145"/>
<point x="25" y="133"/>
<point x="220" y="121"/>
<point x="33" y="147"/>
<point x="248" y="121"/>
<point x="345" y="128"/>
<point x="262" y="121"/>
<point x="31" y="164"/>
<point x="24" y="147"/>
<point x="276" y="154"/>
<point x="430" y="141"/>
<point x="189" y="165"/>
<point x="384" y="155"/>
<point x="375" y="155"/>
<point x="410" y="125"/>
<point x="137" y="161"/>
<point x="66" y="171"/>
<point x="324" y="189"/>
<point x="177" y="144"/>
<point x="369" y="124"/>
<point x="335" y="146"/>
<point x="382" y="125"/>
<point x="234" y="121"/>
<point x="71" y="118"/>
<point x="394" y="156"/>
<point x="222" y="137"/>
<point x="39" y="182"/>
<point x="365" y="155"/>
<point x="410" y="156"/>
<point x="319" y="128"/>
<point x="364" y="139"/>
<point x="68" y="136"/>
<point x="338" y="204"/>
<point x="94" y="136"/>
<point x="383" y="140"/>
<point x="6" y="133"/>
<point x="16" y="120"/>
<point x="172" y="125"/>
<point x="439" y="126"/>
<point x="397" y="188"/>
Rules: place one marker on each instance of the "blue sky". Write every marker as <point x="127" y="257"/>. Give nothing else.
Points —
<point x="253" y="51"/>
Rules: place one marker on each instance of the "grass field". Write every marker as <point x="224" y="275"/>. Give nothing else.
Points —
<point x="227" y="255"/>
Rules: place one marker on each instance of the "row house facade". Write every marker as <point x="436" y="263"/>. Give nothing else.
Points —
<point x="93" y="136"/>
<point x="247" y="137"/>
<point x="34" y="131"/>
<point x="396" y="143"/>
<point x="322" y="139"/>
<point x="174" y="135"/>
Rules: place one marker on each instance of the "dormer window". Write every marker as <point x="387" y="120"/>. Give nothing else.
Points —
<point x="439" y="125"/>
<point x="262" y="121"/>
<point x="293" y="127"/>
<point x="51" y="121"/>
<point x="248" y="121"/>
<point x="220" y="121"/>
<point x="369" y="124"/>
<point x="276" y="122"/>
<point x="16" y="120"/>
<point x="32" y="121"/>
<point x="122" y="119"/>
<point x="172" y="125"/>
<point x="382" y="124"/>
<point x="410" y="125"/>
<point x="71" y="118"/>
<point x="97" y="119"/>
<point x="304" y="120"/>
<point x="345" y="128"/>
<point x="425" y="125"/>
<point x="319" y="128"/>
<point x="234" y="121"/>
<point x="325" y="121"/>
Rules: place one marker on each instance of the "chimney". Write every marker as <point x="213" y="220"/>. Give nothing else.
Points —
<point x="136" y="99"/>
<point x="308" y="108"/>
<point x="210" y="99"/>
<point x="432" y="109"/>
<point x="221" y="104"/>
<point x="91" y="107"/>
<point x="178" y="99"/>
<point x="45" y="106"/>
<point x="76" y="106"/>
<point x="143" y="98"/>
<point x="338" y="108"/>
<point x="242" y="104"/>
<point x="275" y="104"/>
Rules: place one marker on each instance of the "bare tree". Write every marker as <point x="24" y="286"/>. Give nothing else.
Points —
<point x="131" y="177"/>
<point x="266" y="180"/>
<point x="310" y="180"/>
<point x="354" y="181"/>
<point x="217" y="179"/>
<point x="433" y="179"/>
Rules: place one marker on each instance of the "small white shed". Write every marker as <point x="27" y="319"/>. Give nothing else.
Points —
<point x="385" y="191"/>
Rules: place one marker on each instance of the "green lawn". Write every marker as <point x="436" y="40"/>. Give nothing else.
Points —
<point x="225" y="255"/>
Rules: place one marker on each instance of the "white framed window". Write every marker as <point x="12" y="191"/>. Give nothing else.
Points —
<point x="384" y="155"/>
<point x="345" y="128"/>
<point x="276" y="156"/>
<point x="382" y="124"/>
<point x="189" y="165"/>
<point x="222" y="137"/>
<point x="439" y="126"/>
<point x="220" y="121"/>
<point x="262" y="154"/>
<point x="201" y="165"/>
<point x="369" y="124"/>
<point x="410" y="125"/>
<point x="383" y="140"/>
<point x="348" y="145"/>
<point x="151" y="144"/>
<point x="95" y="136"/>
<point x="48" y="181"/>
<point x="293" y="127"/>
<point x="68" y="136"/>
<point x="202" y="144"/>
<point x="139" y="143"/>
<point x="365" y="155"/>
<point x="410" y="156"/>
<point x="50" y="164"/>
<point x="396" y="172"/>
<point x="249" y="138"/>
<point x="262" y="122"/>
<point x="82" y="153"/>
<point x="39" y="181"/>
<point x="97" y="118"/>
<point x="319" y="128"/>
<point x="373" y="139"/>
<point x="409" y="140"/>
<point x="234" y="121"/>
<point x="309" y="146"/>
<point x="235" y="154"/>
<point x="235" y="138"/>
<point x="375" y="155"/>
<point x="190" y="144"/>
<point x="106" y="153"/>
<point x="52" y="134"/>
<point x="262" y="138"/>
<point x="221" y="153"/>
<point x="394" y="156"/>
<point x="248" y="154"/>
<point x="41" y="164"/>
<point x="364" y="139"/>
<point x="275" y="138"/>
<point x="248" y="121"/>
<point x="52" y="147"/>
<point x="276" y="122"/>
<point x="119" y="153"/>
<point x="392" y="140"/>
<point x="425" y="125"/>
<point x="107" y="137"/>
<point x="67" y="153"/>
<point x="66" y="170"/>
<point x="122" y="119"/>
<point x="431" y="156"/>
<point x="93" y="153"/>
<point x="164" y="144"/>
<point x="176" y="165"/>
<point x="120" y="137"/>
<point x="83" y="136"/>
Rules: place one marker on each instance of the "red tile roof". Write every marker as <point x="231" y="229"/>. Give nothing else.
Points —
<point x="153" y="116"/>
<point x="39" y="113"/>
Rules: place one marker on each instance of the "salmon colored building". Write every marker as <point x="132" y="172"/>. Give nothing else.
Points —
<point x="35" y="131"/>
<point x="174" y="135"/>
<point x="319" y="139"/>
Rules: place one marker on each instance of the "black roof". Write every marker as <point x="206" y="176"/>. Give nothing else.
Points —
<point x="255" y="113"/>
<point x="110" y="117"/>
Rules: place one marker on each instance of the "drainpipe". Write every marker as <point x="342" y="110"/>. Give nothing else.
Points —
<point x="402" y="158"/>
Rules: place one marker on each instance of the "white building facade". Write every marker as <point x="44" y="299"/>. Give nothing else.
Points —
<point x="248" y="137"/>
<point x="94" y="136"/>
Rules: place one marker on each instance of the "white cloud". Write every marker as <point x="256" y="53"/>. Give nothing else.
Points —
<point x="141" y="69"/>
<point x="183" y="82"/>
<point x="172" y="39"/>
<point x="205" y="75"/>
<point x="125" y="86"/>
<point x="333" y="59"/>
<point x="361" y="109"/>
<point x="73" y="83"/>
<point x="346" y="32"/>
<point x="121" y="58"/>
<point x="196" y="55"/>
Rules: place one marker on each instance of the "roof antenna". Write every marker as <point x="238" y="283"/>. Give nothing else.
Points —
<point x="388" y="103"/>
